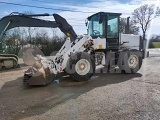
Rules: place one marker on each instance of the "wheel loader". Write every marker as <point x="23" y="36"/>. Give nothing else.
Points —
<point x="81" y="54"/>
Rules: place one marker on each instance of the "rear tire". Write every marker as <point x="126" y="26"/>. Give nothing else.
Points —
<point x="130" y="61"/>
<point x="81" y="66"/>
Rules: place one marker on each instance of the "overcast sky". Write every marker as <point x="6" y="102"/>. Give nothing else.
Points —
<point x="87" y="7"/>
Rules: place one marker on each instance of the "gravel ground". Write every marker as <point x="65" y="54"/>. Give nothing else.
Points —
<point x="104" y="97"/>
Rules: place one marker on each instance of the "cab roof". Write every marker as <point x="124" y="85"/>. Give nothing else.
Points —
<point x="104" y="14"/>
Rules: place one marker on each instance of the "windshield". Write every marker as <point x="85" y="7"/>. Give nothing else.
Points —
<point x="96" y="27"/>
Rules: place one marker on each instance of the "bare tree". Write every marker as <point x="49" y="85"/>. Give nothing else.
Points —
<point x="144" y="15"/>
<point x="122" y="25"/>
<point x="54" y="32"/>
<point x="133" y="29"/>
<point x="29" y="30"/>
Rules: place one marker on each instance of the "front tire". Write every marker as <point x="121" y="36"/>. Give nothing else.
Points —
<point x="81" y="66"/>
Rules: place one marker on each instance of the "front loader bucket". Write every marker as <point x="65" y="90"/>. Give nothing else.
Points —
<point x="34" y="80"/>
<point x="40" y="76"/>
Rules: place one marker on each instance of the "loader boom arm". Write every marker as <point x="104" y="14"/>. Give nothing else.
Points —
<point x="22" y="20"/>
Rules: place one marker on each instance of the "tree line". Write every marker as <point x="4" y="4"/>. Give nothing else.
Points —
<point x="154" y="41"/>
<point x="20" y="37"/>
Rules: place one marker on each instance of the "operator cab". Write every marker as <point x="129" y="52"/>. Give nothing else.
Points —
<point x="105" y="25"/>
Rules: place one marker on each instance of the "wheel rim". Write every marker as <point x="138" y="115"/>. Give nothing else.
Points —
<point x="82" y="67"/>
<point x="133" y="61"/>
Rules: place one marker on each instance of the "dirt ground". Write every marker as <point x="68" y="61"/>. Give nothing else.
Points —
<point x="104" y="97"/>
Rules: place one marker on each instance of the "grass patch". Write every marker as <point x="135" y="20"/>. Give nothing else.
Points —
<point x="156" y="44"/>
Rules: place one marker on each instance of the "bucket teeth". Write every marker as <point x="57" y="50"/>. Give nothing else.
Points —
<point x="26" y="78"/>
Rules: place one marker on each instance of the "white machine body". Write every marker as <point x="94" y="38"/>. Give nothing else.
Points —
<point x="69" y="48"/>
<point x="133" y="41"/>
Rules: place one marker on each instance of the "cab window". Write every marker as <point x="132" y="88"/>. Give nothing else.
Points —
<point x="112" y="27"/>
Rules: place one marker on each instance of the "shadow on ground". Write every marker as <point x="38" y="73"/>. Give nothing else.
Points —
<point x="19" y="101"/>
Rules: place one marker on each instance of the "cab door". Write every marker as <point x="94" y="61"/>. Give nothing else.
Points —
<point x="112" y="32"/>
